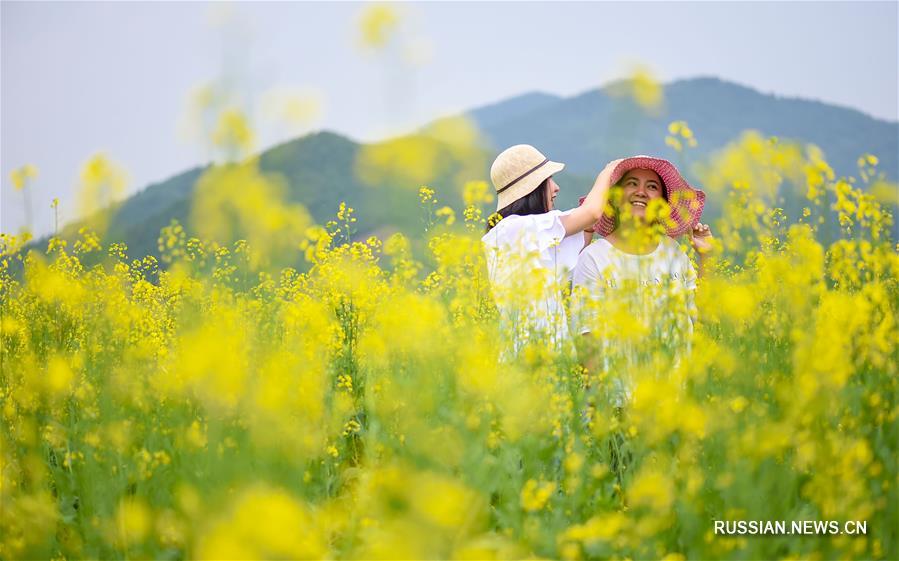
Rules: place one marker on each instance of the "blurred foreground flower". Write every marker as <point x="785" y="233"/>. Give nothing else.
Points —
<point x="21" y="179"/>
<point x="237" y="201"/>
<point x="102" y="184"/>
<point x="233" y="134"/>
<point x="377" y="24"/>
<point x="679" y="133"/>
<point x="297" y="108"/>
<point x="643" y="88"/>
<point x="448" y="147"/>
<point x="21" y="176"/>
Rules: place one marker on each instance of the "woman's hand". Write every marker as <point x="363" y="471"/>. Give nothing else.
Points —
<point x="606" y="173"/>
<point x="591" y="210"/>
<point x="701" y="239"/>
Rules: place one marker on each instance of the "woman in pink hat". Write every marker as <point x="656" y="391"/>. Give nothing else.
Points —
<point x="530" y="247"/>
<point x="642" y="182"/>
<point x="636" y="266"/>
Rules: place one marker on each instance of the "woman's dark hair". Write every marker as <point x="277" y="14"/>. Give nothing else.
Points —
<point x="532" y="203"/>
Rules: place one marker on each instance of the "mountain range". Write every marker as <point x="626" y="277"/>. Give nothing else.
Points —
<point x="584" y="131"/>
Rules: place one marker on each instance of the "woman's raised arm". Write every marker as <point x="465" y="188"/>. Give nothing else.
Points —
<point x="588" y="213"/>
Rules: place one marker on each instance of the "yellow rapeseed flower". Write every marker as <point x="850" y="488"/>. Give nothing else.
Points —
<point x="535" y="494"/>
<point x="377" y="23"/>
<point x="20" y="177"/>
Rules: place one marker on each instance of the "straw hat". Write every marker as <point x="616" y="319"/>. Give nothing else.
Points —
<point x="519" y="170"/>
<point x="685" y="201"/>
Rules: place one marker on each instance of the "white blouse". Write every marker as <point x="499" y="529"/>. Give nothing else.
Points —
<point x="655" y="290"/>
<point x="529" y="259"/>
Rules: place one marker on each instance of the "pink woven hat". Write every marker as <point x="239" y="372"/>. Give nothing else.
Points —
<point x="686" y="202"/>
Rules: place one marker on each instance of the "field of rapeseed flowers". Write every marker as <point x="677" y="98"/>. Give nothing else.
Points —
<point x="219" y="405"/>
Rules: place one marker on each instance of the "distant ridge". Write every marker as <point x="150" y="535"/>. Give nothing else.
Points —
<point x="592" y="127"/>
<point x="585" y="131"/>
<point x="489" y="115"/>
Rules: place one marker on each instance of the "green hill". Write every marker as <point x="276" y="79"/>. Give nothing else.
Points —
<point x="584" y="131"/>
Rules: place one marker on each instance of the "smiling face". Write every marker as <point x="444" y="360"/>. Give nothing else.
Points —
<point x="639" y="187"/>
<point x="552" y="189"/>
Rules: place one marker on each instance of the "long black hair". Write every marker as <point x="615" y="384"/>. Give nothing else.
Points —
<point x="532" y="203"/>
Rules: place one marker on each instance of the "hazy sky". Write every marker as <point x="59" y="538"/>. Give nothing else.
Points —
<point x="78" y="78"/>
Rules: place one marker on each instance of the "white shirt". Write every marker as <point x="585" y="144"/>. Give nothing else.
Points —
<point x="651" y="296"/>
<point x="528" y="260"/>
<point x="602" y="266"/>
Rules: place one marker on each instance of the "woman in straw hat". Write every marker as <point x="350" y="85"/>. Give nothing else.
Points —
<point x="530" y="246"/>
<point x="637" y="260"/>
